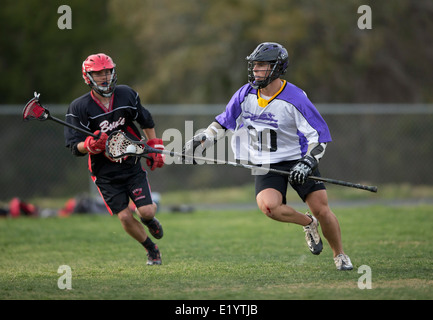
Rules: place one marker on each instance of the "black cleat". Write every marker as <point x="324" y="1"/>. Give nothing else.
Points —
<point x="154" y="227"/>
<point x="154" y="256"/>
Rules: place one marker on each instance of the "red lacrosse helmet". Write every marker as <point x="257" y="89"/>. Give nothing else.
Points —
<point x="98" y="62"/>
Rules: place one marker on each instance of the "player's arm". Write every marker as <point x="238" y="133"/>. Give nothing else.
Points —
<point x="316" y="150"/>
<point x="305" y="116"/>
<point x="92" y="145"/>
<point x="149" y="133"/>
<point x="80" y="147"/>
<point x="89" y="146"/>
<point x="227" y="120"/>
<point x="214" y="131"/>
<point x="204" y="139"/>
<point x="73" y="139"/>
<point x="210" y="135"/>
<point x="77" y="142"/>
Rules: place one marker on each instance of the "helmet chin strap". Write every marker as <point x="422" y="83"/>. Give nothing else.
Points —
<point x="104" y="94"/>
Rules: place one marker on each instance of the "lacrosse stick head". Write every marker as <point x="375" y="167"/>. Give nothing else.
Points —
<point x="118" y="146"/>
<point x="34" y="110"/>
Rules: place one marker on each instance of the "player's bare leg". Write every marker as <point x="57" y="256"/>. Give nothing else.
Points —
<point x="147" y="212"/>
<point x="270" y="202"/>
<point x="147" y="217"/>
<point x="318" y="204"/>
<point x="136" y="230"/>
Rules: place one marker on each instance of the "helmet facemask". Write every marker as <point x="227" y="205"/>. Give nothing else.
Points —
<point x="277" y="57"/>
<point x="271" y="72"/>
<point x="107" y="87"/>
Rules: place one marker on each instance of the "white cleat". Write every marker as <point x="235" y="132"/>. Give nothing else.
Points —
<point x="312" y="236"/>
<point x="342" y="262"/>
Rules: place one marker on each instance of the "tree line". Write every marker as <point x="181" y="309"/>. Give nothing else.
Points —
<point x="194" y="51"/>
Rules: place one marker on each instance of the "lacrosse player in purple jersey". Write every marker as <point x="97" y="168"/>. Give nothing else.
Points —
<point x="107" y="108"/>
<point x="285" y="132"/>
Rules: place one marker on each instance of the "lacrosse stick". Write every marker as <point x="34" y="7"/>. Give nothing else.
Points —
<point x="119" y="145"/>
<point x="35" y="111"/>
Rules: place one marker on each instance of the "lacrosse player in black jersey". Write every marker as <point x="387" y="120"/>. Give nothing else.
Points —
<point x="106" y="108"/>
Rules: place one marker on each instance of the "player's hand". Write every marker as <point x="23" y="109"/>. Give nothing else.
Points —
<point x="302" y="169"/>
<point x="96" y="145"/>
<point x="190" y="147"/>
<point x="196" y="146"/>
<point x="157" y="159"/>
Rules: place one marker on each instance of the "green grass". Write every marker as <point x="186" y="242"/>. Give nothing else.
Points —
<point x="218" y="255"/>
<point x="245" y="194"/>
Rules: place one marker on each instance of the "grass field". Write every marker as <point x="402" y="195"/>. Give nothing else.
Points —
<point x="218" y="254"/>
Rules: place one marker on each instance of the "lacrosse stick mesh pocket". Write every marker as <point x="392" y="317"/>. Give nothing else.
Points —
<point x="118" y="143"/>
<point x="34" y="111"/>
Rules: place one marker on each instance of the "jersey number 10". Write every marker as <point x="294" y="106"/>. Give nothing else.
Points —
<point x="265" y="140"/>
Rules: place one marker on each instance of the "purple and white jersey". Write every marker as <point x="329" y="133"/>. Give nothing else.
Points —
<point x="277" y="130"/>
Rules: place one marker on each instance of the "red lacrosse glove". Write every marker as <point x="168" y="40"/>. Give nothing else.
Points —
<point x="157" y="159"/>
<point x="95" y="146"/>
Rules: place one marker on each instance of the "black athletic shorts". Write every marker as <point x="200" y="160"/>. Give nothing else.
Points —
<point x="280" y="182"/>
<point x="118" y="192"/>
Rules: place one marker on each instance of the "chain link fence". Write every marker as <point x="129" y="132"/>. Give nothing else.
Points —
<point x="373" y="144"/>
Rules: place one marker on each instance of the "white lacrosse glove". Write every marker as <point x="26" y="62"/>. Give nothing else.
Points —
<point x="196" y="147"/>
<point x="200" y="142"/>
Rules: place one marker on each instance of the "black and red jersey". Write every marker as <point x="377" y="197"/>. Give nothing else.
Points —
<point x="124" y="109"/>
